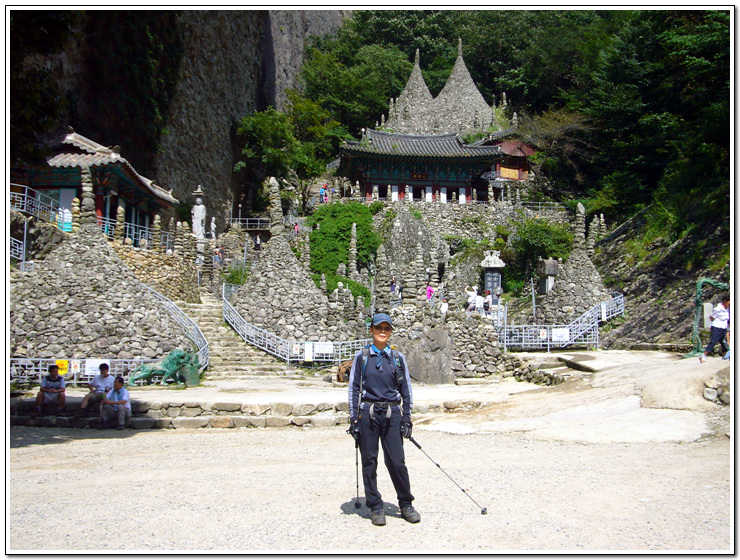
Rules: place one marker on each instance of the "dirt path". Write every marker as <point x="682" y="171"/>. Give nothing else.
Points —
<point x="579" y="467"/>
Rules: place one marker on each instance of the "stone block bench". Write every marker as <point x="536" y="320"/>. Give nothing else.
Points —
<point x="159" y="414"/>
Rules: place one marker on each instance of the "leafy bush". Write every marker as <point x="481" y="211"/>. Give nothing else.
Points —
<point x="535" y="238"/>
<point x="236" y="273"/>
<point x="330" y="242"/>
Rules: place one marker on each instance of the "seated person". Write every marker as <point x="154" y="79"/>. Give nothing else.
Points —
<point x="99" y="386"/>
<point x="51" y="391"/>
<point x="116" y="404"/>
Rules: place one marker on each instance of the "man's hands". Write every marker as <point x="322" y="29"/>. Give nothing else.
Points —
<point x="406" y="426"/>
<point x="354" y="430"/>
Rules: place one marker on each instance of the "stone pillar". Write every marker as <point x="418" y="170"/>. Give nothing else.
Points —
<point x="375" y="193"/>
<point x="352" y="274"/>
<point x="579" y="235"/>
<point x="421" y="275"/>
<point x="591" y="239"/>
<point x="382" y="280"/>
<point x="179" y="241"/>
<point x="322" y="284"/>
<point x="157" y="235"/>
<point x="276" y="209"/>
<point x="87" y="210"/>
<point x="602" y="226"/>
<point x="408" y="194"/>
<point x="306" y="254"/>
<point x="491" y="197"/>
<point x="75" y="215"/>
<point x="118" y="233"/>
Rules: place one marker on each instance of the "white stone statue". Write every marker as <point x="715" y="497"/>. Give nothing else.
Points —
<point x="213" y="228"/>
<point x="199" y="218"/>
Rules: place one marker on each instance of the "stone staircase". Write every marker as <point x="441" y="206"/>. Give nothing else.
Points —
<point x="229" y="356"/>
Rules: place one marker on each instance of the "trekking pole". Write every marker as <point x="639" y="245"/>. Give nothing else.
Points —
<point x="483" y="511"/>
<point x="357" y="475"/>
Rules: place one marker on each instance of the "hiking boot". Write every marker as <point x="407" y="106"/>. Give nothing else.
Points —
<point x="378" y="517"/>
<point x="410" y="514"/>
<point x="702" y="359"/>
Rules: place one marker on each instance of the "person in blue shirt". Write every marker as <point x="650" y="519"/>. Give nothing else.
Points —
<point x="116" y="404"/>
<point x="380" y="401"/>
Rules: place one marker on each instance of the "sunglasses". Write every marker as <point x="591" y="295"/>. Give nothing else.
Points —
<point x="383" y="329"/>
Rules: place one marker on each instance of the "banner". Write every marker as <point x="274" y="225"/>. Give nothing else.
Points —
<point x="308" y="352"/>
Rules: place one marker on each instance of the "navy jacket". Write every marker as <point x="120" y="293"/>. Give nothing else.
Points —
<point x="380" y="382"/>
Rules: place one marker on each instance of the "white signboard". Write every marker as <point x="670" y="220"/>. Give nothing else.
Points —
<point x="323" y="347"/>
<point x="308" y="352"/>
<point x="92" y="366"/>
<point x="561" y="334"/>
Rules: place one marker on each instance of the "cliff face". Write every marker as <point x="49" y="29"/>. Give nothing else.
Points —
<point x="286" y="34"/>
<point x="233" y="64"/>
<point x="219" y="81"/>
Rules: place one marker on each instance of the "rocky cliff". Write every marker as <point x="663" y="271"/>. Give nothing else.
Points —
<point x="233" y="63"/>
<point x="659" y="280"/>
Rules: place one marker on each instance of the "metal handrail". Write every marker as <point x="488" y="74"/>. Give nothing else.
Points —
<point x="252" y="223"/>
<point x="288" y="350"/>
<point x="583" y="330"/>
<point x="47" y="209"/>
<point x="191" y="328"/>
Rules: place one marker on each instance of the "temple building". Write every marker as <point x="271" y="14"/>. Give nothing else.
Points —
<point x="419" y="151"/>
<point x="115" y="180"/>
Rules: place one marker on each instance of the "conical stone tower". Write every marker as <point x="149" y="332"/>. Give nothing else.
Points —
<point x="82" y="301"/>
<point x="280" y="297"/>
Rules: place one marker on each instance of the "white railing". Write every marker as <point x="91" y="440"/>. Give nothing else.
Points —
<point x="47" y="209"/>
<point x="35" y="203"/>
<point x="191" y="328"/>
<point x="584" y="330"/>
<point x="252" y="223"/>
<point x="136" y="233"/>
<point x="32" y="370"/>
<point x="289" y="350"/>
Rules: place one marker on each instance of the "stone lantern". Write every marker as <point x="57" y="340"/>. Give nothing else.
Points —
<point x="492" y="266"/>
<point x="547" y="270"/>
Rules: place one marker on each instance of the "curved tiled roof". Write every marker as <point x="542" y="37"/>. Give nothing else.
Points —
<point x="409" y="145"/>
<point x="99" y="155"/>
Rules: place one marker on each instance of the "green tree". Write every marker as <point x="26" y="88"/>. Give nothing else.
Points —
<point x="534" y="238"/>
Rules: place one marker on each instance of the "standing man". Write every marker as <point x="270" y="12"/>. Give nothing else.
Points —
<point x="51" y="391"/>
<point x="99" y="386"/>
<point x="720" y="318"/>
<point x="380" y="411"/>
<point x="117" y="404"/>
<point x="257" y="245"/>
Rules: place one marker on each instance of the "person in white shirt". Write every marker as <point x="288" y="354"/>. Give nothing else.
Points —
<point x="479" y="303"/>
<point x="99" y="386"/>
<point x="444" y="307"/>
<point x="471" y="298"/>
<point x="117" y="404"/>
<point x="720" y="318"/>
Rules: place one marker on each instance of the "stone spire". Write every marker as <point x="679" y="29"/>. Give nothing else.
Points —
<point x="409" y="107"/>
<point x="593" y="229"/>
<point x="276" y="208"/>
<point x="579" y="236"/>
<point x="456" y="105"/>
<point x="352" y="274"/>
<point x="87" y="210"/>
<point x="118" y="233"/>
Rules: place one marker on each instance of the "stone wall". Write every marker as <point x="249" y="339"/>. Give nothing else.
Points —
<point x="82" y="301"/>
<point x="172" y="275"/>
<point x="441" y="348"/>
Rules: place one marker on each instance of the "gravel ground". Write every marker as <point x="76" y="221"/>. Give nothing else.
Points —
<point x="293" y="489"/>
